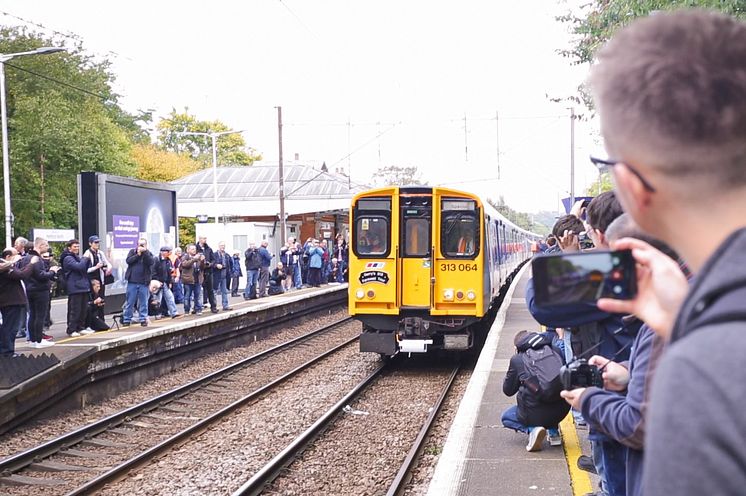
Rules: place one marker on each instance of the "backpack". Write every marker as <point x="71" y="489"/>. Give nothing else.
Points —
<point x="62" y="281"/>
<point x="543" y="364"/>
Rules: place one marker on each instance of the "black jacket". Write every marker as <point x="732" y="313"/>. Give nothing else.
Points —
<point x="694" y="439"/>
<point x="209" y="257"/>
<point x="139" y="267"/>
<point x="253" y="259"/>
<point x="532" y="410"/>
<point x="11" y="290"/>
<point x="226" y="261"/>
<point x="162" y="269"/>
<point x="41" y="277"/>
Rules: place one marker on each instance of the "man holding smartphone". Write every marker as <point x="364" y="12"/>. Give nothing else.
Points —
<point x="671" y="94"/>
<point x="100" y="266"/>
<point x="139" y="266"/>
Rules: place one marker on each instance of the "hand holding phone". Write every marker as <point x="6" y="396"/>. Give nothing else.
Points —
<point x="571" y="278"/>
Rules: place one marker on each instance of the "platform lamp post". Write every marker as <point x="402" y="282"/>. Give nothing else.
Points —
<point x="214" y="137"/>
<point x="5" y="57"/>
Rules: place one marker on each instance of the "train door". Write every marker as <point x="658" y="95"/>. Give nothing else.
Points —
<point x="415" y="254"/>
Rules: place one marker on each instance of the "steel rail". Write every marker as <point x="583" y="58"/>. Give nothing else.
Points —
<point x="144" y="457"/>
<point x="402" y="477"/>
<point x="266" y="474"/>
<point x="21" y="460"/>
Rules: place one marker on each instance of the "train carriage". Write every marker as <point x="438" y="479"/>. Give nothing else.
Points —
<point x="427" y="265"/>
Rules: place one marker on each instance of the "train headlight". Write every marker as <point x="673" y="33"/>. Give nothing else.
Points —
<point x="448" y="294"/>
<point x="459" y="295"/>
<point x="471" y="295"/>
<point x="359" y="294"/>
<point x="371" y="293"/>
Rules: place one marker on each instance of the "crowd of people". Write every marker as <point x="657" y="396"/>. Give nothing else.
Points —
<point x="155" y="283"/>
<point x="664" y="407"/>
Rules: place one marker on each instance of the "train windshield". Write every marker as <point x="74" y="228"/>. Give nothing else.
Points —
<point x="459" y="228"/>
<point x="372" y="235"/>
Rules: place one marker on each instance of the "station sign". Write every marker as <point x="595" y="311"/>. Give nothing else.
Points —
<point x="55" y="235"/>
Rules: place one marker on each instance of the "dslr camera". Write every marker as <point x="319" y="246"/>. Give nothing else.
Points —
<point x="579" y="374"/>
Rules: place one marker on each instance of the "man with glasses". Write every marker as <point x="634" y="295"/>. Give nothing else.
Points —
<point x="671" y="95"/>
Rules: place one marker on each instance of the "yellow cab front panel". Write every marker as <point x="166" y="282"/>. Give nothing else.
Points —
<point x="415" y="259"/>
<point x="373" y="249"/>
<point x="458" y="265"/>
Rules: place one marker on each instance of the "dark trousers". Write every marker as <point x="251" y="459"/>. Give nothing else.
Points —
<point x="234" y="285"/>
<point x="208" y="293"/>
<point x="314" y="276"/>
<point x="77" y="306"/>
<point x="37" y="303"/>
<point x="263" y="281"/>
<point x="12" y="315"/>
<point x="48" y="316"/>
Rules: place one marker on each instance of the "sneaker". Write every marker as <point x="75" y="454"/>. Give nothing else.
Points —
<point x="144" y="323"/>
<point x="535" y="438"/>
<point x="176" y="316"/>
<point x="74" y="334"/>
<point x="555" y="438"/>
<point x="158" y="317"/>
<point x="86" y="332"/>
<point x="214" y="310"/>
<point x="47" y="337"/>
<point x="198" y="313"/>
<point x="43" y="344"/>
<point x="585" y="462"/>
<point x="227" y="309"/>
<point x="126" y="324"/>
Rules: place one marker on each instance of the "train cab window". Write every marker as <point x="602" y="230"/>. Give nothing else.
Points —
<point x="459" y="228"/>
<point x="372" y="236"/>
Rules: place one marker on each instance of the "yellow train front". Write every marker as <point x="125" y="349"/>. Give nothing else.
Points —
<point x="426" y="267"/>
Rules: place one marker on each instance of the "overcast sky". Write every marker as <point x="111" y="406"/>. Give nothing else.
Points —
<point x="387" y="82"/>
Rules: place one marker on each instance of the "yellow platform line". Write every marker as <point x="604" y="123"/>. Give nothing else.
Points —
<point x="581" y="482"/>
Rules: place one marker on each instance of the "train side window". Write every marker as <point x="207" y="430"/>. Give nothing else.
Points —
<point x="417" y="237"/>
<point x="372" y="235"/>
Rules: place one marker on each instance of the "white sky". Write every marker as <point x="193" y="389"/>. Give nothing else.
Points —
<point x="414" y="66"/>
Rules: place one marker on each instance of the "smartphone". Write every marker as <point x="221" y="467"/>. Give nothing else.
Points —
<point x="569" y="278"/>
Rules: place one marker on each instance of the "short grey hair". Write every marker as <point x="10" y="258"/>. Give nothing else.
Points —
<point x="671" y="91"/>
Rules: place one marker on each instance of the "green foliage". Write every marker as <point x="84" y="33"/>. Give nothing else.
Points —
<point x="599" y="19"/>
<point x="394" y="175"/>
<point x="232" y="149"/>
<point x="521" y="219"/>
<point x="602" y="184"/>
<point x="56" y="131"/>
<point x="187" y="231"/>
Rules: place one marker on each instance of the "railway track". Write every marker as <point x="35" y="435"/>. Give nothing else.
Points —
<point x="312" y="462"/>
<point x="70" y="460"/>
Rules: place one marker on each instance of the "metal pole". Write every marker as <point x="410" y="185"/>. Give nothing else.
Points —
<point x="283" y="228"/>
<point x="497" y="141"/>
<point x="6" y="159"/>
<point x="215" y="174"/>
<point x="572" y="156"/>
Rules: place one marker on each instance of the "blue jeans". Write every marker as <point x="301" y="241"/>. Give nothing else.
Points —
<point x="297" y="282"/>
<point x="136" y="293"/>
<point x="189" y="291"/>
<point x="614" y="455"/>
<point x="12" y="318"/>
<point x="178" y="291"/>
<point x="166" y="294"/>
<point x="252" y="276"/>
<point x="221" y="283"/>
<point x="510" y="420"/>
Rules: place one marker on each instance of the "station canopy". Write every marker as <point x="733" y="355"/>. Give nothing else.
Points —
<point x="249" y="191"/>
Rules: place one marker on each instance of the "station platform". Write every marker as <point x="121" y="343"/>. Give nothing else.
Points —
<point x="481" y="457"/>
<point x="66" y="372"/>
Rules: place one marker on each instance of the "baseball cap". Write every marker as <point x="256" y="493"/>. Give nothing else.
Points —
<point x="165" y="248"/>
<point x="94" y="239"/>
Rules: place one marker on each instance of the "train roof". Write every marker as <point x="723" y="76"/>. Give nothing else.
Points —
<point x="418" y="189"/>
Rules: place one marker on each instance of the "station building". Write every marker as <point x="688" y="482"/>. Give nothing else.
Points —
<point x="248" y="204"/>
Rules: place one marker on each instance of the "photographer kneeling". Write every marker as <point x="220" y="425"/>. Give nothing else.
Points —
<point x="534" y="374"/>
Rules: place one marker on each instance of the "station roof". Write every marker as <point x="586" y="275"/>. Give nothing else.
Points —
<point x="255" y="190"/>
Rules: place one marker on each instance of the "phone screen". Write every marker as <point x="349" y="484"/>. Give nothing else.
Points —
<point x="584" y="277"/>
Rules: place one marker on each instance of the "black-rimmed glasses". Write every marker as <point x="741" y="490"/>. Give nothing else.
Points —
<point x="605" y="164"/>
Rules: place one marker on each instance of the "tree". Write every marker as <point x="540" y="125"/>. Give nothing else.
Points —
<point x="599" y="19"/>
<point x="63" y="118"/>
<point x="521" y="219"/>
<point x="156" y="164"/>
<point x="232" y="149"/>
<point x="394" y="175"/>
<point x="601" y="184"/>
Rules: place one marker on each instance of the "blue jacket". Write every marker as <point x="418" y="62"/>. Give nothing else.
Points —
<point x="76" y="273"/>
<point x="265" y="257"/>
<point x="621" y="416"/>
<point x="614" y="334"/>
<point x="226" y="261"/>
<point x="315" y="257"/>
<point x="236" y="267"/>
<point x="694" y="443"/>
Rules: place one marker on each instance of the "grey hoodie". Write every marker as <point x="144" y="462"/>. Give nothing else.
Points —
<point x="696" y="437"/>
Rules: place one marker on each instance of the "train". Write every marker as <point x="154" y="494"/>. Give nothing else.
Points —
<point x="427" y="266"/>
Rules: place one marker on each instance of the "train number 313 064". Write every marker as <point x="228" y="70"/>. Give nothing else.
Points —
<point x="462" y="267"/>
